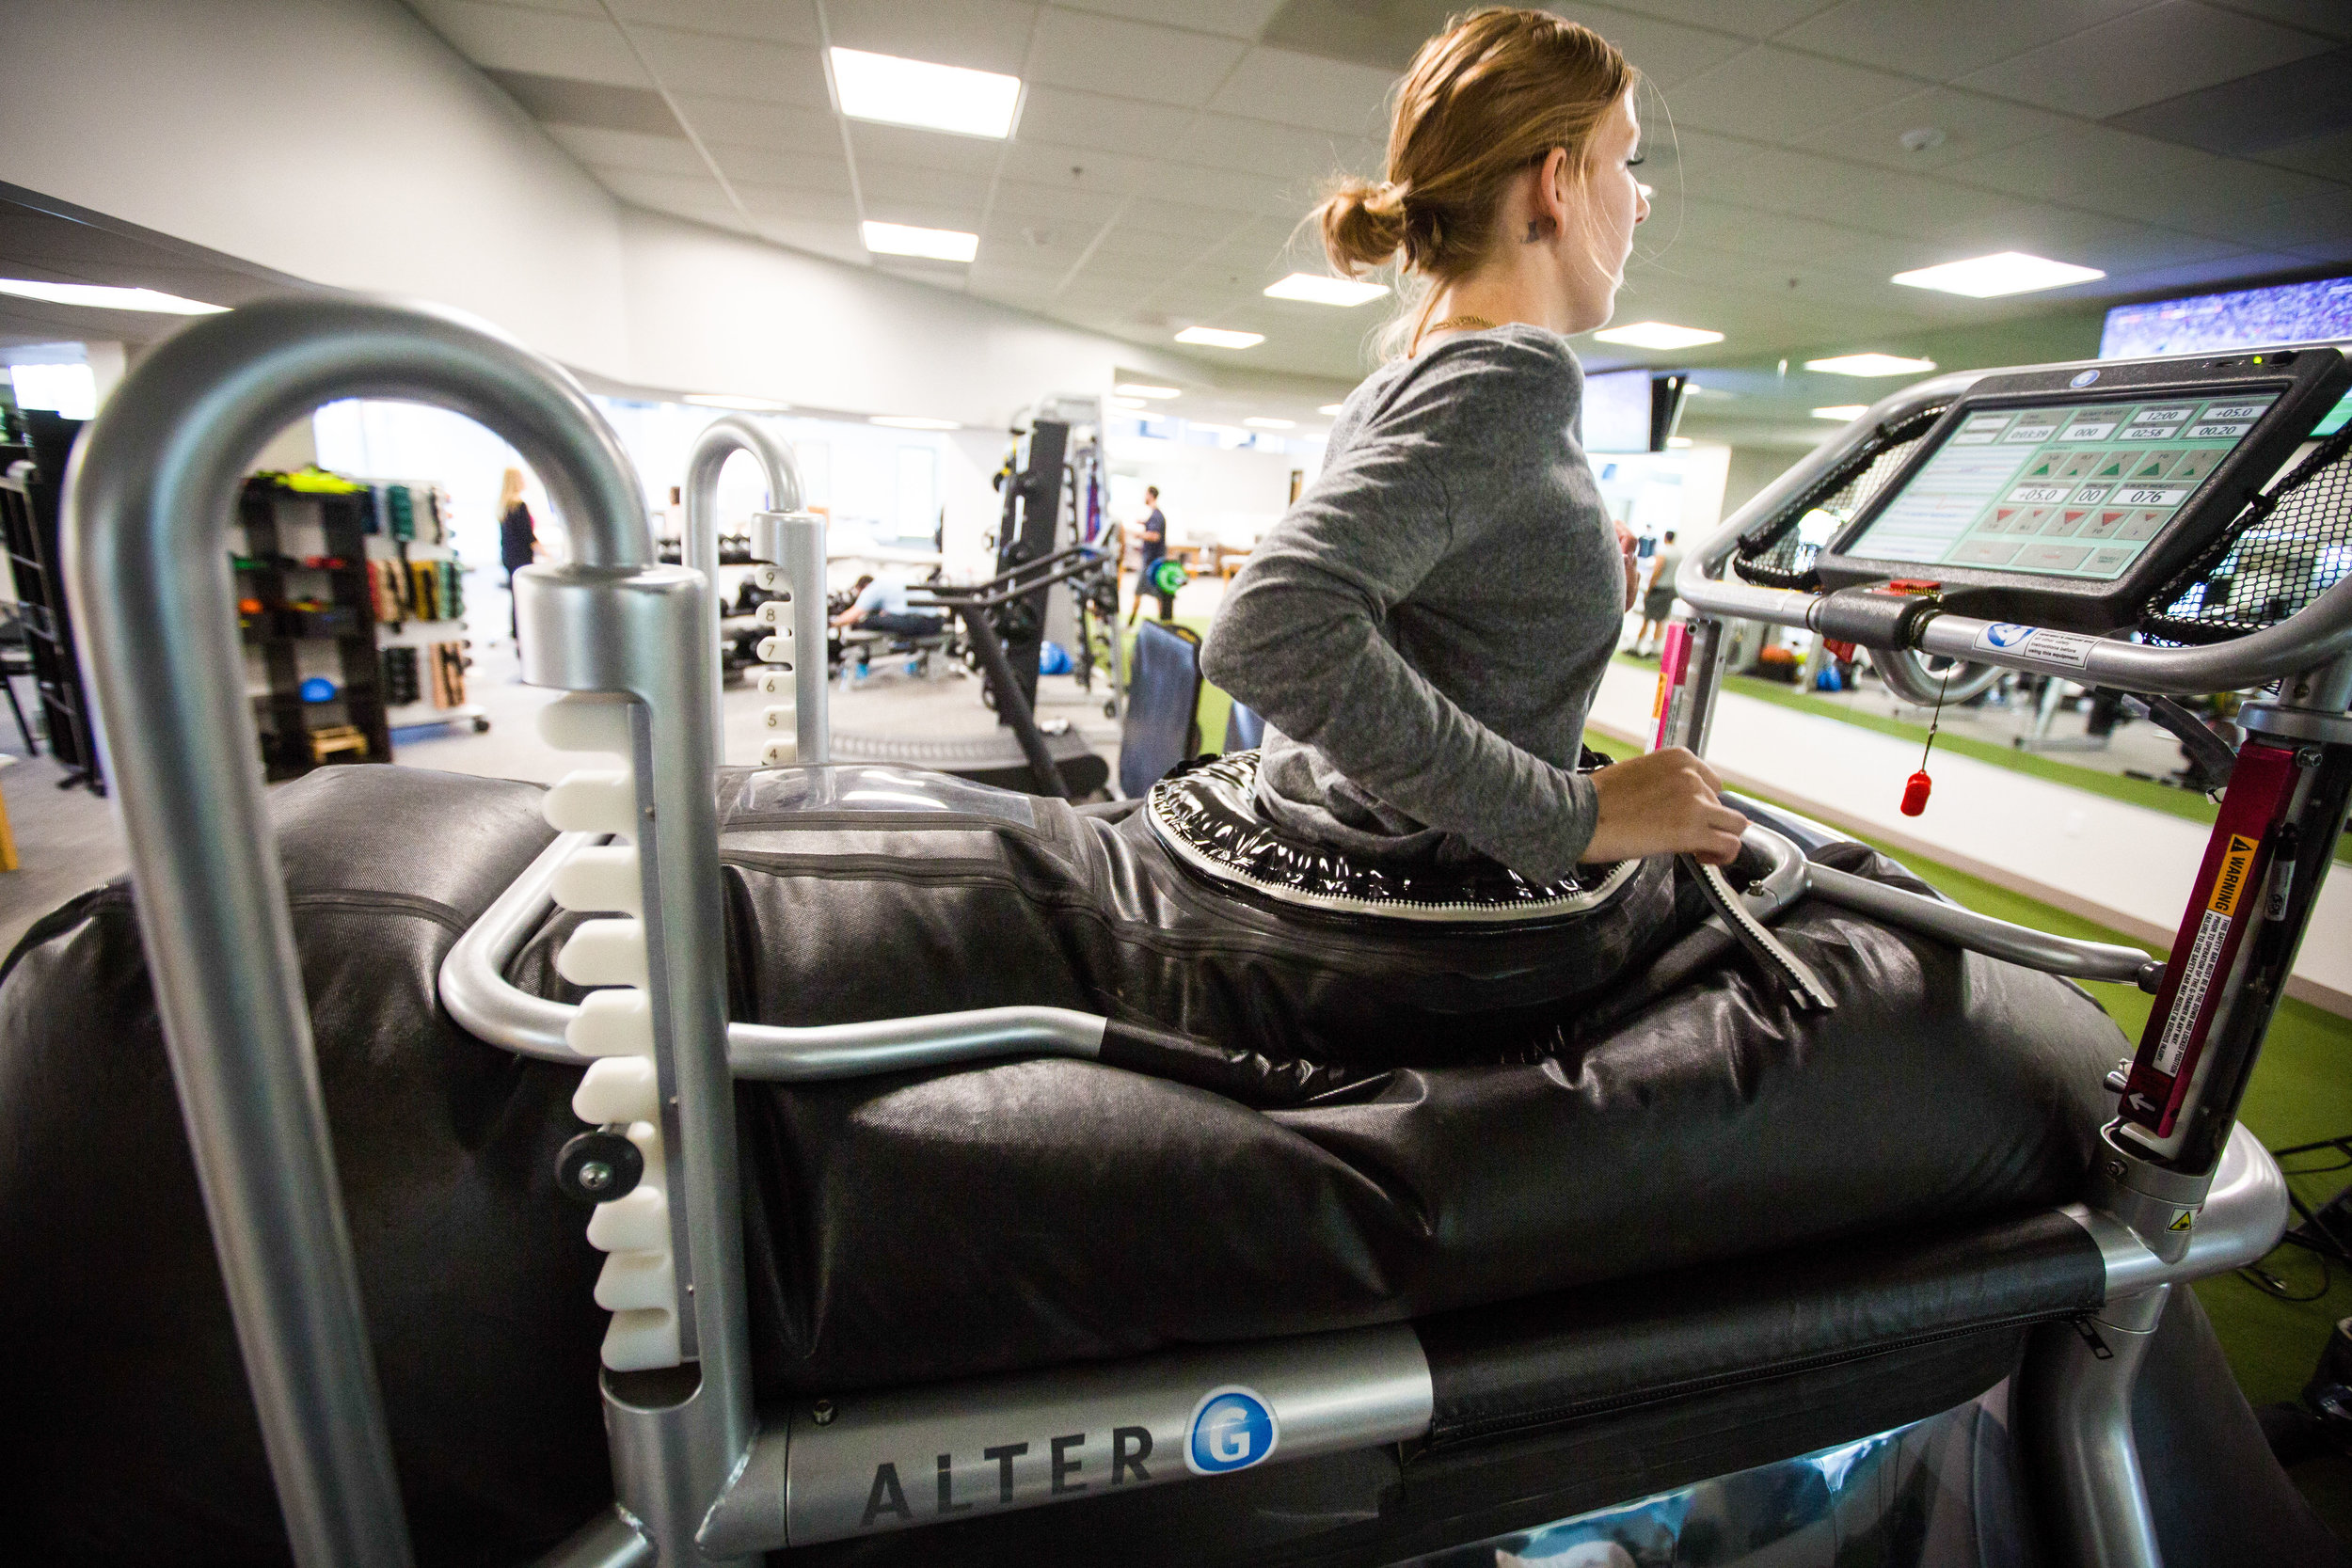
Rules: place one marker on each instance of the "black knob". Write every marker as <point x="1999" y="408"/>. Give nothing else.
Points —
<point x="598" y="1166"/>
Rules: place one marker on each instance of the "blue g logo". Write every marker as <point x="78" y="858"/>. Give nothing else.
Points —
<point x="1231" y="1430"/>
<point x="2084" y="379"/>
<point x="2006" y="634"/>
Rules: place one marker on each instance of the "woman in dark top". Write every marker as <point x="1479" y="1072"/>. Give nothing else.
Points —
<point x="518" y="541"/>
<point x="1424" y="630"/>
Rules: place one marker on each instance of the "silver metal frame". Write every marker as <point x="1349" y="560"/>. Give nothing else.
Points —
<point x="721" y="439"/>
<point x="149" y="493"/>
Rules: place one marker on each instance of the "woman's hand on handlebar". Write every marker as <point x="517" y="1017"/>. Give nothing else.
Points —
<point x="1662" y="803"/>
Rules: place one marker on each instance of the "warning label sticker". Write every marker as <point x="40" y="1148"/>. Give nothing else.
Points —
<point x="2204" y="955"/>
<point x="2187" y="1217"/>
<point x="2055" y="647"/>
<point x="2230" y="884"/>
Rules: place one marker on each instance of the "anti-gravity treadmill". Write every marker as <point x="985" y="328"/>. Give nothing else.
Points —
<point x="1838" y="1233"/>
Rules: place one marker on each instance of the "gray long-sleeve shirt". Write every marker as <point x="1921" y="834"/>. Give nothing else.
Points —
<point x="1425" y="629"/>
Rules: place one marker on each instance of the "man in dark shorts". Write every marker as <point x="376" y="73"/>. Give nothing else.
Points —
<point x="1658" y="603"/>
<point x="1154" y="551"/>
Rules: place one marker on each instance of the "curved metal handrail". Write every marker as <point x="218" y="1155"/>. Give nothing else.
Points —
<point x="148" y="495"/>
<point x="719" y="441"/>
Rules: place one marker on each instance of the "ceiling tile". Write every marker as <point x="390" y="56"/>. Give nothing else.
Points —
<point x="1161" y="65"/>
<point x="836" y="240"/>
<point x="1768" y="94"/>
<point x="881" y="182"/>
<point x="742" y="121"/>
<point x="1769" y="236"/>
<point x="1755" y="19"/>
<point x="575" y="7"/>
<point x="547" y="43"/>
<point x="1838" y="193"/>
<point x="1241" y="19"/>
<point x="1666" y="52"/>
<point x="627" y="150"/>
<point x="2331" y="17"/>
<point x="1258" y="146"/>
<point x="1040" y="164"/>
<point x="2329" y="157"/>
<point x="1971" y="126"/>
<point x="595" y="106"/>
<point x="980" y="35"/>
<point x="1063" y="116"/>
<point x="2135" y="176"/>
<point x="778" y="166"/>
<point x="1059" y="205"/>
<point x="1299" y="90"/>
<point x="668" y="193"/>
<point x="734" y="68"/>
<point x="2321" y="224"/>
<point x="973" y="156"/>
<point x="769" y="21"/>
<point x="1941" y="42"/>
<point x="813" y="203"/>
<point x="2162" y="52"/>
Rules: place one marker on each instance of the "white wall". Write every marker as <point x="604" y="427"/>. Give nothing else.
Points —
<point x="1227" y="494"/>
<point x="338" y="140"/>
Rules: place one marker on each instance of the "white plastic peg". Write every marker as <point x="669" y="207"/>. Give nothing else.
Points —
<point x="617" y="1088"/>
<point x="637" y="1221"/>
<point x="593" y="801"/>
<point x="613" y="1022"/>
<point x="783" y="752"/>
<point x="586" y="721"/>
<point x="604" y="953"/>
<point x="640" y="1340"/>
<point x="600" y="879"/>
<point x="771" y="580"/>
<point x="776" y="649"/>
<point x="778" y="683"/>
<point x="635" y="1280"/>
<point x="776" y="612"/>
<point x="782" y="717"/>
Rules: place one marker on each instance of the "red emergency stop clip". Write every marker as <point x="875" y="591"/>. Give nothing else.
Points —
<point x="1915" y="793"/>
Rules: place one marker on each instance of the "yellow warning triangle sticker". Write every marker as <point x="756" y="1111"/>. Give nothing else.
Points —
<point x="2182" y="1223"/>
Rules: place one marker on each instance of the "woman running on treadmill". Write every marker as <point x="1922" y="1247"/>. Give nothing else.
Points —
<point x="1424" y="630"/>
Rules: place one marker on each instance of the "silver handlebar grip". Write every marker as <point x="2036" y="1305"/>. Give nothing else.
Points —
<point x="721" y="439"/>
<point x="149" y="493"/>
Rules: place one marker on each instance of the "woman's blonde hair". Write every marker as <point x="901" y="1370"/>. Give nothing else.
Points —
<point x="1492" y="94"/>
<point x="510" y="491"/>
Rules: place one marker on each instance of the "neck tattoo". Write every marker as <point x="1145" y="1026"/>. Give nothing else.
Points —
<point x="1462" y="323"/>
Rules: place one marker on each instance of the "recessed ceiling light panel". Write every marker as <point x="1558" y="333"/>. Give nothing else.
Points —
<point x="1144" y="389"/>
<point x="1661" y="335"/>
<point x="1842" y="412"/>
<point x="103" y="297"/>
<point x="1869" y="364"/>
<point x="2011" y="272"/>
<point x="932" y="245"/>
<point x="1258" y="423"/>
<point x="913" y="422"/>
<point x="894" y="91"/>
<point x="732" y="399"/>
<point x="1331" y="408"/>
<point x="1315" y="289"/>
<point x="1218" y="337"/>
<point x="1131" y="405"/>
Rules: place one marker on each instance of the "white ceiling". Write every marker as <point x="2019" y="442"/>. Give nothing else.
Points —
<point x="1166" y="153"/>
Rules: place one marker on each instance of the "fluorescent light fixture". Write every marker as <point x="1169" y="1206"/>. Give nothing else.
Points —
<point x="70" y="391"/>
<point x="1315" y="289"/>
<point x="1842" y="412"/>
<point x="1129" y="404"/>
<point x="1329" y="409"/>
<point x="934" y="245"/>
<point x="913" y="422"/>
<point x="731" y="400"/>
<point x="1255" y="422"/>
<point x="895" y="91"/>
<point x="1678" y="440"/>
<point x="1870" y="364"/>
<point x="2011" y="272"/>
<point x="1218" y="337"/>
<point x="1140" y="389"/>
<point x="103" y="297"/>
<point x="1659" y="335"/>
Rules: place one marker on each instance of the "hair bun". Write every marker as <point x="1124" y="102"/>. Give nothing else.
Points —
<point x="1363" y="224"/>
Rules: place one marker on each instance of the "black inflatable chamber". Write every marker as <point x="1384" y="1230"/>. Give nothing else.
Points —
<point x="924" y="1226"/>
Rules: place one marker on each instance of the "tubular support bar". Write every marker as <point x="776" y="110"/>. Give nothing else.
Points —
<point x="721" y="439"/>
<point x="2242" y="1216"/>
<point x="1964" y="927"/>
<point x="148" y="495"/>
<point x="794" y="544"/>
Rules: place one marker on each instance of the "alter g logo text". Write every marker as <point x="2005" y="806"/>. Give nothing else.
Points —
<point x="1232" y="1429"/>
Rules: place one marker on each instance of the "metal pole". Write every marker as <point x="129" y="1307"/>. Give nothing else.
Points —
<point x="1011" y="708"/>
<point x="148" y="495"/>
<point x="721" y="439"/>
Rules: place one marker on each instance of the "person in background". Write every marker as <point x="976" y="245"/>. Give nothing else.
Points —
<point x="1658" y="602"/>
<point x="1154" y="531"/>
<point x="881" y="605"/>
<point x="519" y="541"/>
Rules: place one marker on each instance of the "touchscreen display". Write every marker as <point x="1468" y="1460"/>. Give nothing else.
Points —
<point x="2066" y="490"/>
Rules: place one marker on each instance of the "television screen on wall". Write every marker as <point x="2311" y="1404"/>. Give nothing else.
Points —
<point x="1631" y="410"/>
<point x="2243" y="317"/>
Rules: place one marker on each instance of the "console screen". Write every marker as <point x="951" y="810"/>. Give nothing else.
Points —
<point x="2067" y="490"/>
